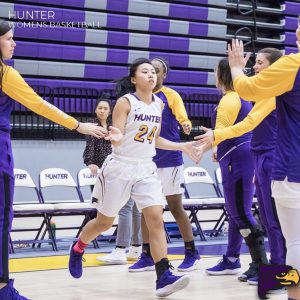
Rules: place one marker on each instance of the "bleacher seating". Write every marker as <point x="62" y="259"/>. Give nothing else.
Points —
<point x="106" y="36"/>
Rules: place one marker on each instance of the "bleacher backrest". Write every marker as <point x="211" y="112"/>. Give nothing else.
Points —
<point x="196" y="175"/>
<point x="23" y="179"/>
<point x="85" y="177"/>
<point x="56" y="177"/>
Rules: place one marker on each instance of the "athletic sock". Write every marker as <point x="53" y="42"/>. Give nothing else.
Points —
<point x="146" y="249"/>
<point x="161" y="267"/>
<point x="190" y="246"/>
<point x="79" y="246"/>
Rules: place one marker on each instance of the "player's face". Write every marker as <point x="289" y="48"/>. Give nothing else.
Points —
<point x="7" y="45"/>
<point x="145" y="77"/>
<point x="102" y="110"/>
<point x="160" y="72"/>
<point x="261" y="62"/>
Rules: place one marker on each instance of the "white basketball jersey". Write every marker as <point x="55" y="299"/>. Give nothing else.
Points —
<point x="143" y="123"/>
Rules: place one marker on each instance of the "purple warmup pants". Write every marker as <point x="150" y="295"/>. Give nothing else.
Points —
<point x="263" y="161"/>
<point x="237" y="169"/>
<point x="6" y="200"/>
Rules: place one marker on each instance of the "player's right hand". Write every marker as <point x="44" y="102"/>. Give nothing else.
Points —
<point x="114" y="134"/>
<point x="92" y="129"/>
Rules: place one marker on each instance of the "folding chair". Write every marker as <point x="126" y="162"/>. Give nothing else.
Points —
<point x="85" y="178"/>
<point x="60" y="180"/>
<point x="31" y="209"/>
<point x="198" y="175"/>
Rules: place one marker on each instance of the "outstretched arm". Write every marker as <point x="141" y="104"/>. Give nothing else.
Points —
<point x="16" y="88"/>
<point x="274" y="81"/>
<point x="260" y="111"/>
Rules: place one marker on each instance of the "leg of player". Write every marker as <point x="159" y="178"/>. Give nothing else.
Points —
<point x="91" y="230"/>
<point x="192" y="257"/>
<point x="166" y="283"/>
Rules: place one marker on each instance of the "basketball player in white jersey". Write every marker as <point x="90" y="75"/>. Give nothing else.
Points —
<point x="130" y="172"/>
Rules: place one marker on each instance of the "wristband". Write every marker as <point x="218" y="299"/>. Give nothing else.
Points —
<point x="77" y="126"/>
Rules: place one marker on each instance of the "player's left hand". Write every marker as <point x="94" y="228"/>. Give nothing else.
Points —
<point x="194" y="151"/>
<point x="186" y="127"/>
<point x="236" y="56"/>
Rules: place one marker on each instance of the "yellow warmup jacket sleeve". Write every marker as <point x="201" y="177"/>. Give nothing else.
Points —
<point x="260" y="111"/>
<point x="274" y="81"/>
<point x="14" y="86"/>
<point x="176" y="105"/>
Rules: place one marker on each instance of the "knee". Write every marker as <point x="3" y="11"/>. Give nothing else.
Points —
<point x="154" y="223"/>
<point x="252" y="234"/>
<point x="103" y="224"/>
<point x="176" y="210"/>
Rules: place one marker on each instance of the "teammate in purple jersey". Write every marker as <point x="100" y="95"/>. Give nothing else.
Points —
<point x="280" y="80"/>
<point x="13" y="87"/>
<point x="237" y="168"/>
<point x="261" y="118"/>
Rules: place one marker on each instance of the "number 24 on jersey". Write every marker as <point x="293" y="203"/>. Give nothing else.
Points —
<point x="145" y="133"/>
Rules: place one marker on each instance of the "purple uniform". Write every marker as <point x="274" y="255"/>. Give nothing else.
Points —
<point x="6" y="184"/>
<point x="173" y="114"/>
<point x="263" y="145"/>
<point x="237" y="168"/>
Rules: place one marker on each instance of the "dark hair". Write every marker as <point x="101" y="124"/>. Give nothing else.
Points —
<point x="124" y="85"/>
<point x="104" y="98"/>
<point x="5" y="27"/>
<point x="272" y="54"/>
<point x="164" y="62"/>
<point x="224" y="74"/>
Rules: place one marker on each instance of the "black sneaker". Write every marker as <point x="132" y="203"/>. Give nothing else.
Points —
<point x="252" y="272"/>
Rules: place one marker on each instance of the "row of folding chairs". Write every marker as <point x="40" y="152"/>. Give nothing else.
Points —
<point x="40" y="204"/>
<point x="57" y="177"/>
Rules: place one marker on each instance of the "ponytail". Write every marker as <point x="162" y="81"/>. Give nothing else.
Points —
<point x="124" y="86"/>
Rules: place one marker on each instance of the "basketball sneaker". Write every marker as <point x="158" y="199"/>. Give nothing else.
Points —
<point x="75" y="263"/>
<point x="253" y="280"/>
<point x="116" y="257"/>
<point x="168" y="284"/>
<point x="190" y="261"/>
<point x="134" y="253"/>
<point x="225" y="267"/>
<point x="145" y="263"/>
<point x="252" y="272"/>
<point x="10" y="293"/>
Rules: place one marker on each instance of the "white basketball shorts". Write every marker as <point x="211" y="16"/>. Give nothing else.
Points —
<point x="121" y="179"/>
<point x="171" y="180"/>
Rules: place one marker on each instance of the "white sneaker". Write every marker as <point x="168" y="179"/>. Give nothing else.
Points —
<point x="134" y="253"/>
<point x="116" y="257"/>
